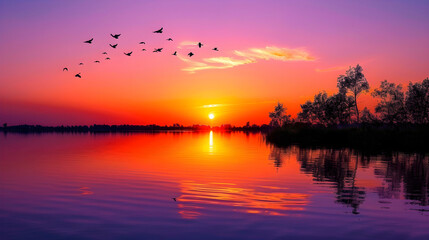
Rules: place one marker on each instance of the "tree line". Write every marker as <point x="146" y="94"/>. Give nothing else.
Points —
<point x="394" y="106"/>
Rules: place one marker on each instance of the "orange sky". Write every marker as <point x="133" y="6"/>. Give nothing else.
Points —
<point x="269" y="51"/>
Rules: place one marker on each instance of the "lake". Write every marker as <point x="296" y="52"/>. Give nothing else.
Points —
<point x="205" y="185"/>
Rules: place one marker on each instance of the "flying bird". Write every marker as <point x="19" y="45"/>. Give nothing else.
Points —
<point x="128" y="54"/>
<point x="175" y="53"/>
<point x="215" y="49"/>
<point x="142" y="43"/>
<point x="89" y="41"/>
<point x="158" y="31"/>
<point x="104" y="53"/>
<point x="169" y="39"/>
<point x="143" y="49"/>
<point x="157" y="50"/>
<point x="190" y="54"/>
<point x="115" y="36"/>
<point x="107" y="58"/>
<point x="97" y="61"/>
<point x="174" y="199"/>
<point x="200" y="44"/>
<point x="78" y="75"/>
<point x="65" y="69"/>
<point x="113" y="46"/>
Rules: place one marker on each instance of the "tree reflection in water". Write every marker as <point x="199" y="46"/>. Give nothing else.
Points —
<point x="403" y="174"/>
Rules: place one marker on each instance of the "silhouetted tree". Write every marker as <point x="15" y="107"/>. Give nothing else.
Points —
<point x="279" y="116"/>
<point x="367" y="117"/>
<point x="392" y="104"/>
<point x="336" y="109"/>
<point x="306" y="114"/>
<point x="353" y="81"/>
<point x="417" y="101"/>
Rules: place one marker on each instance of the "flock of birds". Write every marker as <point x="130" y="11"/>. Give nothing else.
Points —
<point x="156" y="50"/>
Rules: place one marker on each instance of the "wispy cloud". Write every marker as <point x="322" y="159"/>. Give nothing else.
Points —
<point x="275" y="53"/>
<point x="249" y="56"/>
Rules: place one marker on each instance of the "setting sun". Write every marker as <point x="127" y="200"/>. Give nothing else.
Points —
<point x="211" y="115"/>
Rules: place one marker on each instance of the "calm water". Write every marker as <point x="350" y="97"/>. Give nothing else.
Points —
<point x="227" y="186"/>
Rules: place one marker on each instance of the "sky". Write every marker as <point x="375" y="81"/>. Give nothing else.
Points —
<point x="269" y="51"/>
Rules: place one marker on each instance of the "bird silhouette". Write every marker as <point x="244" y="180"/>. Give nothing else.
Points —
<point x="78" y="75"/>
<point x="143" y="49"/>
<point x="80" y="63"/>
<point x="175" y="53"/>
<point x="157" y="50"/>
<point x="89" y="41"/>
<point x="142" y="43"/>
<point x="65" y="69"/>
<point x="97" y="61"/>
<point x="128" y="54"/>
<point x="215" y="49"/>
<point x="113" y="46"/>
<point x="159" y="30"/>
<point x="104" y="53"/>
<point x="174" y="199"/>
<point x="169" y="39"/>
<point x="191" y="54"/>
<point x="200" y="44"/>
<point x="115" y="36"/>
<point x="107" y="58"/>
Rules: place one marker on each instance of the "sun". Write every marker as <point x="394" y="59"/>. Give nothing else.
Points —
<point x="211" y="115"/>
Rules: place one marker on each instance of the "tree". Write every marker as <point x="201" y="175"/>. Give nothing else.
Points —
<point x="339" y="108"/>
<point x="306" y="114"/>
<point x="392" y="104"/>
<point x="367" y="117"/>
<point x="336" y="109"/>
<point x="279" y="116"/>
<point x="417" y="101"/>
<point x="353" y="81"/>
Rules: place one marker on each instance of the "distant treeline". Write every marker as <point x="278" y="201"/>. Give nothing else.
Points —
<point x="127" y="128"/>
<point x="401" y="118"/>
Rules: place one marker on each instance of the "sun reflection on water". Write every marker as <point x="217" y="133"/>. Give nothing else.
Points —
<point x="266" y="201"/>
<point x="211" y="142"/>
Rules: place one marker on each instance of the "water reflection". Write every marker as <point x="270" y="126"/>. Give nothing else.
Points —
<point x="57" y="186"/>
<point x="402" y="175"/>
<point x="267" y="200"/>
<point x="211" y="141"/>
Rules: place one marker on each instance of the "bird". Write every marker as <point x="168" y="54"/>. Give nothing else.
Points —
<point x="104" y="53"/>
<point x="115" y="36"/>
<point x="89" y="41"/>
<point x="169" y="39"/>
<point x="107" y="58"/>
<point x="142" y="43"/>
<point x="80" y="63"/>
<point x="128" y="54"/>
<point x="97" y="61"/>
<point x="159" y="30"/>
<point x="78" y="75"/>
<point x="157" y="50"/>
<point x="143" y="49"/>
<point x="190" y="54"/>
<point x="215" y="49"/>
<point x="175" y="53"/>
<point x="200" y="44"/>
<point x="65" y="69"/>
<point x="174" y="199"/>
<point x="113" y="46"/>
